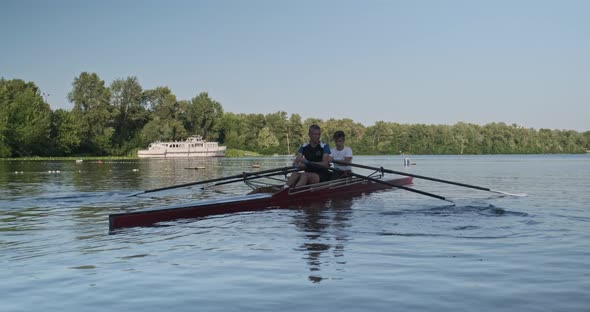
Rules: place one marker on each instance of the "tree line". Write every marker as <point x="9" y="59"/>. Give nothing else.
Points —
<point x="120" y="118"/>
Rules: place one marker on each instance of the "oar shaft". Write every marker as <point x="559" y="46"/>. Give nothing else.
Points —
<point x="256" y="176"/>
<point x="382" y="182"/>
<point x="399" y="186"/>
<point x="412" y="175"/>
<point x="237" y="176"/>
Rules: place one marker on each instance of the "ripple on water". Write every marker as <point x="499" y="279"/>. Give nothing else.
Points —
<point x="487" y="210"/>
<point x="407" y="252"/>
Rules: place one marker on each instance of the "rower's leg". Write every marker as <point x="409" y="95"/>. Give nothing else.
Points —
<point x="313" y="178"/>
<point x="303" y="179"/>
<point x="293" y="178"/>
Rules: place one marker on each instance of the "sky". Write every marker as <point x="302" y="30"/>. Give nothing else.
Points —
<point x="431" y="62"/>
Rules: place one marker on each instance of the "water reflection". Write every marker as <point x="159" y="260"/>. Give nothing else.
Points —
<point x="323" y="225"/>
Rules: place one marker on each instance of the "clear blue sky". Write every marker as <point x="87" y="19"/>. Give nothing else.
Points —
<point x="433" y="62"/>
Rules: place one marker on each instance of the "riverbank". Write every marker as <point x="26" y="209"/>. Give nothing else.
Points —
<point x="236" y="153"/>
<point x="232" y="153"/>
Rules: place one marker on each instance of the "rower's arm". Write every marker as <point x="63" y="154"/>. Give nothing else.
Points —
<point x="326" y="160"/>
<point x="298" y="160"/>
<point x="347" y="155"/>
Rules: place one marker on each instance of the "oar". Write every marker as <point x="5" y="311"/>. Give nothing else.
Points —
<point x="428" y="178"/>
<point x="400" y="186"/>
<point x="256" y="176"/>
<point x="381" y="181"/>
<point x="237" y="176"/>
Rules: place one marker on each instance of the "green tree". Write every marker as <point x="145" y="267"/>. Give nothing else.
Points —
<point x="586" y="143"/>
<point x="267" y="140"/>
<point x="253" y="125"/>
<point x="201" y="115"/>
<point x="232" y="131"/>
<point x="5" y="150"/>
<point x="25" y="120"/>
<point x="162" y="130"/>
<point x="93" y="112"/>
<point x="165" y="117"/>
<point x="161" y="103"/>
<point x="65" y="132"/>
<point x="277" y="124"/>
<point x="353" y="131"/>
<point x="129" y="112"/>
<point x="297" y="134"/>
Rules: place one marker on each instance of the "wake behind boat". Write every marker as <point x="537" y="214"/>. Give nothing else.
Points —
<point x="194" y="146"/>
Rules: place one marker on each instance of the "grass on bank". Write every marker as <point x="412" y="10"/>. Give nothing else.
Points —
<point x="232" y="152"/>
<point x="228" y="153"/>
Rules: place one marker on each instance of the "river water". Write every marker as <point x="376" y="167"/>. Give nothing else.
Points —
<point x="387" y="251"/>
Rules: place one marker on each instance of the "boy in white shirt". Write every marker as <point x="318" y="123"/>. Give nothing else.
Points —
<point x="341" y="153"/>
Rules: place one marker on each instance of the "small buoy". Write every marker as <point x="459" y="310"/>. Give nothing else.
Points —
<point x="135" y="169"/>
<point x="255" y="165"/>
<point x="78" y="161"/>
<point x="99" y="161"/>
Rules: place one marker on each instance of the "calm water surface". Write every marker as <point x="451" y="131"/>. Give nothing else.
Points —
<point x="389" y="251"/>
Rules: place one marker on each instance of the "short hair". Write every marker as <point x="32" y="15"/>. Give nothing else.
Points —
<point x="339" y="134"/>
<point x="314" y="127"/>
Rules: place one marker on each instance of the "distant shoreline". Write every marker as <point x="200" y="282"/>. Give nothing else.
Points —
<point x="96" y="158"/>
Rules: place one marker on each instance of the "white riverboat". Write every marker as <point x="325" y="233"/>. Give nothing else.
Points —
<point x="194" y="146"/>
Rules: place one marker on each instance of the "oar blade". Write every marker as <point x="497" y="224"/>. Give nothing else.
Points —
<point x="381" y="169"/>
<point x="509" y="194"/>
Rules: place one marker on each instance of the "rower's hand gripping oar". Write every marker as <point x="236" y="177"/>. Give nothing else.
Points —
<point x="238" y="177"/>
<point x="380" y="181"/>
<point x="429" y="178"/>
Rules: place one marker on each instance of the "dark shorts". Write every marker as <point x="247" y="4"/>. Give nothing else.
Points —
<point x="324" y="175"/>
<point x="341" y="174"/>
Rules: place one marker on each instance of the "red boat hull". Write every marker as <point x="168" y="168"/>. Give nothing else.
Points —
<point x="282" y="199"/>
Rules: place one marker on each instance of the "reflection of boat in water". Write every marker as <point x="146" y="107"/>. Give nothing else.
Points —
<point x="278" y="198"/>
<point x="194" y="146"/>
